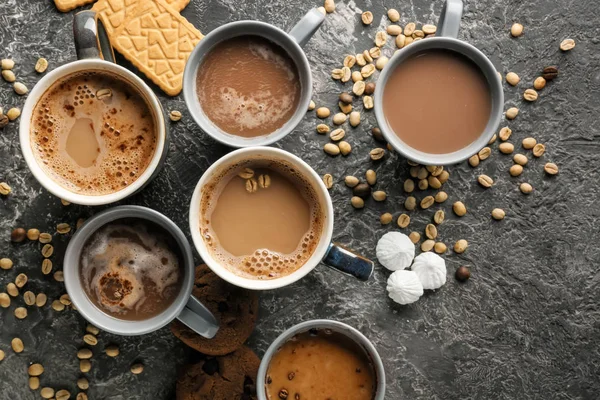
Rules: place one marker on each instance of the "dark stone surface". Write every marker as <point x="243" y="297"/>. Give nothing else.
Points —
<point x="526" y="325"/>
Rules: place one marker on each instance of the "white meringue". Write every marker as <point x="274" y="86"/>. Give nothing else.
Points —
<point x="404" y="287"/>
<point x="395" y="251"/>
<point x="431" y="270"/>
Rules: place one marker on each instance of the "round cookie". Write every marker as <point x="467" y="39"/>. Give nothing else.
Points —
<point x="229" y="377"/>
<point x="234" y="308"/>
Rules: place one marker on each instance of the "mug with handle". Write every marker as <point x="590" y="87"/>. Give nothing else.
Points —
<point x="445" y="39"/>
<point x="291" y="42"/>
<point x="331" y="254"/>
<point x="186" y="308"/>
<point x="94" y="53"/>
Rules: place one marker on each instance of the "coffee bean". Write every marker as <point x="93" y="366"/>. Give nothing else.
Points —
<point x="85" y="366"/>
<point x="63" y="395"/>
<point x="550" y="73"/>
<point x="20" y="88"/>
<point x="370" y="88"/>
<point x="283" y="394"/>
<point x="460" y="246"/>
<point x="34" y="383"/>
<point x="83" y="383"/>
<point x="377" y="154"/>
<point x="427" y="245"/>
<point x="5" y="189"/>
<point x="9" y="76"/>
<point x="379" y="195"/>
<point x="525" y="188"/>
<point x="58" y="306"/>
<point x="264" y="181"/>
<point x="46" y="266"/>
<point x="492" y="140"/>
<point x="82" y="395"/>
<point x="3" y="120"/>
<point x="513" y="79"/>
<point x="414" y="237"/>
<point x="434" y="182"/>
<point x="354" y="119"/>
<point x="431" y="231"/>
<point x="137" y="369"/>
<point x="21" y="312"/>
<point x="40" y="299"/>
<point x="551" y="169"/>
<point x="112" y="350"/>
<point x="6" y="263"/>
<point x="47" y="250"/>
<point x="322" y="129"/>
<point x="367" y="70"/>
<point x="346" y="74"/>
<point x="345" y="148"/>
<point x="35" y="370"/>
<point x="381" y="62"/>
<point x="377" y="135"/>
<point x="346" y="98"/>
<point x="403" y="221"/>
<point x="47" y="392"/>
<point x="29" y="298"/>
<point x="13" y="113"/>
<point x="441" y="197"/>
<point x="516" y="170"/>
<point x="485" y="181"/>
<point x="459" y="208"/>
<point x="90" y="339"/>
<point x="530" y="95"/>
<point x="440" y="248"/>
<point x="18" y="235"/>
<point x="409" y="186"/>
<point x="323" y="112"/>
<point x="409" y="29"/>
<point x="539" y="83"/>
<point x="12" y="290"/>
<point x="393" y="15"/>
<point x="368" y="102"/>
<point x="332" y="149"/>
<point x="505" y="133"/>
<point x="357" y="202"/>
<point x="371" y="177"/>
<point x="339" y="118"/>
<point x="474" y="161"/>
<point x="567" y="44"/>
<point x="539" y="150"/>
<point x="462" y="274"/>
<point x="311" y="105"/>
<point x="328" y="180"/>
<point x="423" y="184"/>
<point x="175" y="115"/>
<point x="92" y="329"/>
<point x="362" y="190"/>
<point x="4" y="300"/>
<point x="393" y="30"/>
<point x="367" y="17"/>
<point x="349" y="61"/>
<point x="345" y="108"/>
<point x="506" y="147"/>
<point x="429" y="29"/>
<point x="385" y="219"/>
<point x="529" y="143"/>
<point x="33" y="234"/>
<point x="59" y="276"/>
<point x="520" y="159"/>
<point x="427" y="202"/>
<point x="63" y="228"/>
<point x="498" y="214"/>
<point x="484" y="153"/>
<point x="17" y="345"/>
<point x="45" y="238"/>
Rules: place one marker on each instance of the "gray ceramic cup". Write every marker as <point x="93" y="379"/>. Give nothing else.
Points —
<point x="335" y="326"/>
<point x="445" y="39"/>
<point x="291" y="42"/>
<point x="185" y="308"/>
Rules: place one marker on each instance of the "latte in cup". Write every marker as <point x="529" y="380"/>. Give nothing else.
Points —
<point x="93" y="133"/>
<point x="130" y="270"/>
<point x="261" y="219"/>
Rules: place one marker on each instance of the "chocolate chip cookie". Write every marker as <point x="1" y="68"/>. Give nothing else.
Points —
<point x="234" y="308"/>
<point x="229" y="377"/>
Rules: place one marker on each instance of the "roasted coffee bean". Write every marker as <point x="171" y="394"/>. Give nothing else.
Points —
<point x="18" y="235"/>
<point x="377" y="135"/>
<point x="346" y="98"/>
<point x="362" y="190"/>
<point x="370" y="88"/>
<point x="550" y="73"/>
<point x="462" y="274"/>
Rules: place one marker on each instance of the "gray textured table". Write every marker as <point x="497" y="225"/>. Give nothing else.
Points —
<point x="527" y="324"/>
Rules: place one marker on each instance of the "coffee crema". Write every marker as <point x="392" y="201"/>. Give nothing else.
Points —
<point x="130" y="270"/>
<point x="268" y="233"/>
<point x="321" y="364"/>
<point x="93" y="133"/>
<point x="449" y="101"/>
<point x="248" y="86"/>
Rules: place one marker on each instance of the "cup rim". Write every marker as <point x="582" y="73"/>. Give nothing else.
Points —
<point x="193" y="105"/>
<point x="25" y="126"/>
<point x="496" y="94"/>
<point x="339" y="327"/>
<point x="257" y="284"/>
<point x="88" y="309"/>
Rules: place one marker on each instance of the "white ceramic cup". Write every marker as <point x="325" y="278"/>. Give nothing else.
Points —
<point x="330" y="254"/>
<point x="92" y="51"/>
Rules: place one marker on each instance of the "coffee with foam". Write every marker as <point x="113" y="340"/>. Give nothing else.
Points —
<point x="93" y="133"/>
<point x="129" y="269"/>
<point x="265" y="234"/>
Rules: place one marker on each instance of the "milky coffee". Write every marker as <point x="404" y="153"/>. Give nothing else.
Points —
<point x="130" y="269"/>
<point x="93" y="133"/>
<point x="437" y="101"/>
<point x="262" y="234"/>
<point x="248" y="86"/>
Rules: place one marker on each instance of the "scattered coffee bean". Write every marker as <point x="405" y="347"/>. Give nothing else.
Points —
<point x="525" y="188"/>
<point x="360" y="60"/>
<point x="20" y="88"/>
<point x="63" y="395"/>
<point x="441" y="197"/>
<point x="381" y="62"/>
<point x="400" y="41"/>
<point x="367" y="70"/>
<point x="409" y="186"/>
<point x="462" y="274"/>
<point x="530" y="95"/>
<point x="551" y="168"/>
<point x="371" y="177"/>
<point x="459" y="208"/>
<point x="439" y="216"/>
<point x="63" y="228"/>
<point x="346" y="74"/>
<point x="506" y="147"/>
<point x="512" y="113"/>
<point x="17" y="345"/>
<point x="264" y="181"/>
<point x="345" y="148"/>
<point x="393" y="30"/>
<point x="429" y="29"/>
<point x="322" y="129"/>
<point x="367" y="56"/>
<point x="368" y="102"/>
<point x="311" y="105"/>
<point x="33" y="234"/>
<point x="385" y="219"/>
<point x="339" y="118"/>
<point x="484" y="153"/>
<point x="498" y="214"/>
<point x="47" y="392"/>
<point x="82" y="395"/>
<point x="409" y="29"/>
<point x="354" y="118"/>
<point x="4" y="300"/>
<point x="7" y="64"/>
<point x="92" y="329"/>
<point x="137" y="369"/>
<point x="6" y="263"/>
<point x="367" y="17"/>
<point x="513" y="79"/>
<point x="550" y="73"/>
<point x="346" y="98"/>
<point x="46" y="266"/>
<point x="427" y="202"/>
<point x="505" y="133"/>
<point x="41" y="65"/>
<point x="516" y="170"/>
<point x="351" y="181"/>
<point x="370" y="88"/>
<point x="520" y="159"/>
<point x="29" y="298"/>
<point x="357" y="202"/>
<point x="323" y="112"/>
<point x="58" y="306"/>
<point x="431" y="231"/>
<point x="328" y="181"/>
<point x="485" y="181"/>
<point x="410" y="203"/>
<point x="539" y="150"/>
<point x="414" y="237"/>
<point x="377" y="154"/>
<point x="59" y="276"/>
<point x="13" y="113"/>
<point x="9" y="76"/>
<point x="427" y="245"/>
<point x="440" y="248"/>
<point x="34" y="383"/>
<point x="47" y="250"/>
<point x="251" y="185"/>
<point x="379" y="195"/>
<point x="40" y="299"/>
<point x="423" y="184"/>
<point x="35" y="370"/>
<point x="3" y="120"/>
<point x="84" y="354"/>
<point x="492" y="140"/>
<point x="474" y="161"/>
<point x="539" y="83"/>
<point x="529" y="143"/>
<point x="175" y="115"/>
<point x="380" y="39"/>
<point x="362" y="190"/>
<point x="516" y="30"/>
<point x="359" y="88"/>
<point x="329" y="6"/>
<point x="85" y="365"/>
<point x="393" y="15"/>
<point x="11" y="289"/>
<point x="65" y="299"/>
<point x="375" y="52"/>
<point x="80" y="222"/>
<point x="18" y="235"/>
<point x="423" y="173"/>
<point x="434" y="182"/>
<point x="460" y="246"/>
<point x="332" y="149"/>
<point x="349" y="61"/>
<point x="403" y="220"/>
<point x="45" y="238"/>
<point x="377" y="135"/>
<point x="83" y="384"/>
<point x="567" y="44"/>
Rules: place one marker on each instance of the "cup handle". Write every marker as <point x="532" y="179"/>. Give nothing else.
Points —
<point x="307" y="26"/>
<point x="449" y="22"/>
<point x="346" y="261"/>
<point x="198" y="318"/>
<point x="91" y="40"/>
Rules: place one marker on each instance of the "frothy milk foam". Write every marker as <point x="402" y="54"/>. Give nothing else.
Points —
<point x="93" y="133"/>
